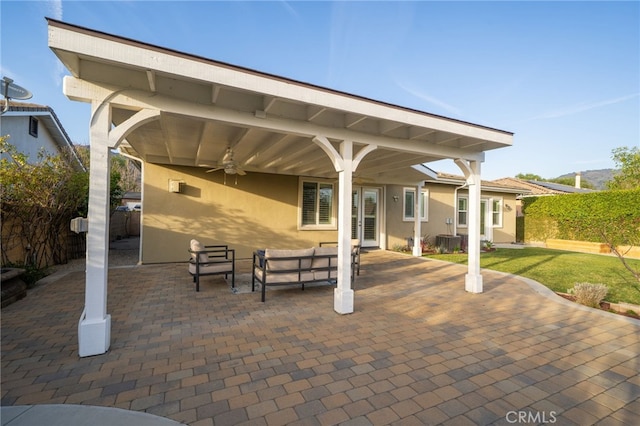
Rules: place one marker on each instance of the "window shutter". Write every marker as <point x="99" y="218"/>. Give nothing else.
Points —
<point x="325" y="204"/>
<point x="309" y="190"/>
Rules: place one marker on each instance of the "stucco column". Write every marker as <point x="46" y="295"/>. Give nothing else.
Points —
<point x="417" y="222"/>
<point x="473" y="279"/>
<point x="343" y="299"/>
<point x="94" y="328"/>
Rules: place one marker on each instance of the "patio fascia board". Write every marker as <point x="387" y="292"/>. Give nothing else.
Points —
<point x="69" y="41"/>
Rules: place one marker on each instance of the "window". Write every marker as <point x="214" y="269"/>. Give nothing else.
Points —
<point x="496" y="212"/>
<point x="409" y="204"/>
<point x="317" y="205"/>
<point x="33" y="126"/>
<point x="492" y="206"/>
<point x="463" y="210"/>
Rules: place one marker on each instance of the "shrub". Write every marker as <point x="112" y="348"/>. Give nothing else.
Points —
<point x="400" y="248"/>
<point x="589" y="294"/>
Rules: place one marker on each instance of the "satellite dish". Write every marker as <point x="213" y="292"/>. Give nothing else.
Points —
<point x="10" y="90"/>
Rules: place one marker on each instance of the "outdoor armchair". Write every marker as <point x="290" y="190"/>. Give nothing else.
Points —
<point x="211" y="260"/>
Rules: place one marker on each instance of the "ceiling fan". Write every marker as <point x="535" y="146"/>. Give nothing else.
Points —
<point x="228" y="164"/>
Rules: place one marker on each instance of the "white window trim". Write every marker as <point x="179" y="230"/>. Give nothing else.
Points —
<point x="489" y="202"/>
<point x="425" y="204"/>
<point x="334" y="219"/>
<point x="462" y="225"/>
<point x="500" y="212"/>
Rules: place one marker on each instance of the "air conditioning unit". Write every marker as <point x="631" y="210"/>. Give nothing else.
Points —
<point x="176" y="185"/>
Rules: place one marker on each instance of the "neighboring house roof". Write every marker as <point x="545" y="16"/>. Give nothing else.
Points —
<point x="494" y="186"/>
<point x="566" y="189"/>
<point x="47" y="116"/>
<point x="541" y="188"/>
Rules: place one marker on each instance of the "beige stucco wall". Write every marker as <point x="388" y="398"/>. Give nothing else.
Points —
<point x="507" y="232"/>
<point x="260" y="211"/>
<point x="441" y="206"/>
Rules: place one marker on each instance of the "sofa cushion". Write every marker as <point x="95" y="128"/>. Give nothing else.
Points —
<point x="324" y="262"/>
<point x="274" y="264"/>
<point x="197" y="246"/>
<point x="329" y="274"/>
<point x="211" y="268"/>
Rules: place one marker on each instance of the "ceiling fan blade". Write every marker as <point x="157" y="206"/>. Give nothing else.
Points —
<point x="214" y="170"/>
<point x="241" y="172"/>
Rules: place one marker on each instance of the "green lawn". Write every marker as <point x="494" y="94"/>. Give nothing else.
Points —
<point x="560" y="270"/>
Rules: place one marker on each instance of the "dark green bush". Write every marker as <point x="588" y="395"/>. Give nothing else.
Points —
<point x="607" y="216"/>
<point x="520" y="229"/>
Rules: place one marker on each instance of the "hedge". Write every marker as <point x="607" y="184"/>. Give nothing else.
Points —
<point x="613" y="216"/>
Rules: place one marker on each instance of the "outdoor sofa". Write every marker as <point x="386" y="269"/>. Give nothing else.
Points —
<point x="273" y="267"/>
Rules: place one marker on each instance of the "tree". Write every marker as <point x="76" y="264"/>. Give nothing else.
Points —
<point x="570" y="181"/>
<point x="628" y="163"/>
<point x="37" y="202"/>
<point x="128" y="171"/>
<point x="529" y="176"/>
<point x="117" y="186"/>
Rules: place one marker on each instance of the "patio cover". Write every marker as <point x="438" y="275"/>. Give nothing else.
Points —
<point x="168" y="107"/>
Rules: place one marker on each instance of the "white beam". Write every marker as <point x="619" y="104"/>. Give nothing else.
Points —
<point x="352" y="119"/>
<point x="83" y="91"/>
<point x="314" y="112"/>
<point x="151" y="77"/>
<point x="117" y="135"/>
<point x="334" y="156"/>
<point x="215" y="92"/>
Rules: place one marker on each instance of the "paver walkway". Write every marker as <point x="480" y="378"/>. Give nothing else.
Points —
<point x="417" y="350"/>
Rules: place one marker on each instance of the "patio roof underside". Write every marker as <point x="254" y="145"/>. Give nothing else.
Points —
<point x="268" y="121"/>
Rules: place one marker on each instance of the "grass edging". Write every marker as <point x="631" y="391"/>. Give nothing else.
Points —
<point x="551" y="295"/>
<point x="560" y="270"/>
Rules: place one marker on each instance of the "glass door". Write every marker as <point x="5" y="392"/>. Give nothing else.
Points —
<point x="486" y="228"/>
<point x="365" y="216"/>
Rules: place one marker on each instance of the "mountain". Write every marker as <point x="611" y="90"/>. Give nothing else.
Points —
<point x="597" y="178"/>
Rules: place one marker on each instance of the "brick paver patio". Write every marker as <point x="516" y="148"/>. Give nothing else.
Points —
<point x="418" y="350"/>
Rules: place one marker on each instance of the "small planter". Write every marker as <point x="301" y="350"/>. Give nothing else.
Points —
<point x="13" y="287"/>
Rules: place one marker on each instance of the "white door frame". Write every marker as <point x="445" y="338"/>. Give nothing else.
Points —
<point x="358" y="231"/>
<point x="487" y="213"/>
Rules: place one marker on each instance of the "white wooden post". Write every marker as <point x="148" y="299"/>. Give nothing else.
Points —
<point x="343" y="297"/>
<point x="94" y="327"/>
<point x="473" y="279"/>
<point x="417" y="223"/>
<point x="471" y="170"/>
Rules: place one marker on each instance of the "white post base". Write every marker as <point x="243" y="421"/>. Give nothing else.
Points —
<point x="94" y="337"/>
<point x="343" y="301"/>
<point x="473" y="283"/>
<point x="417" y="251"/>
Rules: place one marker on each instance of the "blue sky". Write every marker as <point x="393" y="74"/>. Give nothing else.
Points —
<point x="563" y="76"/>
